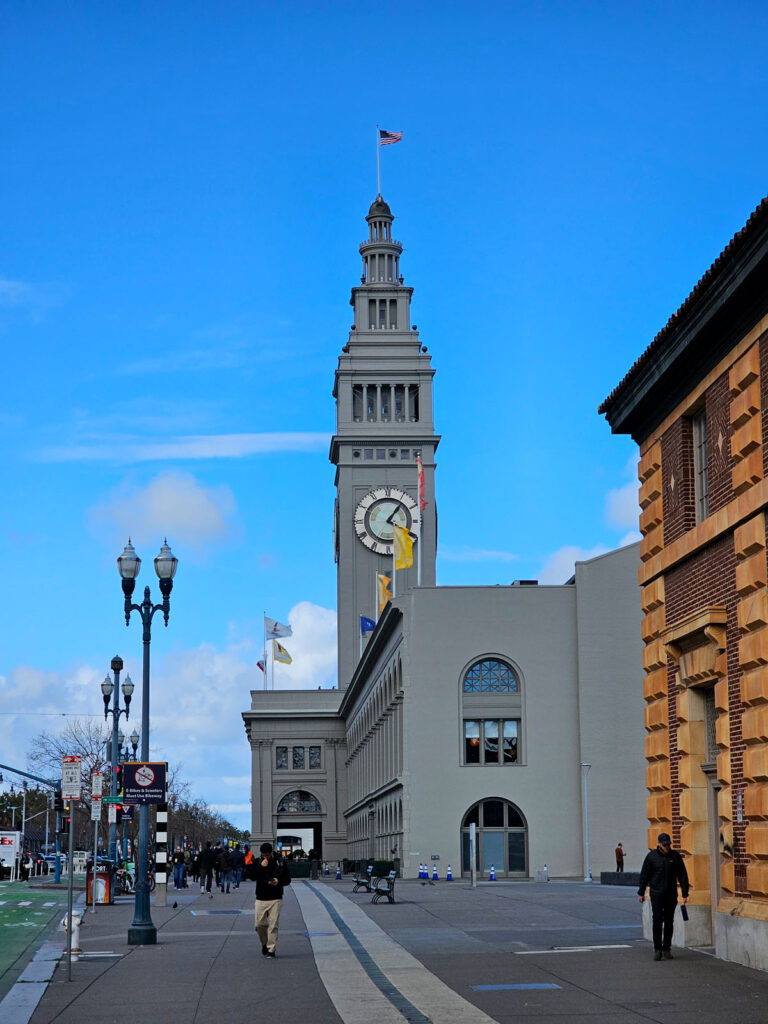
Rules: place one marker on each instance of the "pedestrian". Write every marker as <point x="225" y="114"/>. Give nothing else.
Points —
<point x="24" y="866"/>
<point x="271" y="877"/>
<point x="662" y="870"/>
<point x="187" y="865"/>
<point x="217" y="866"/>
<point x="195" y="866"/>
<point x="207" y="862"/>
<point x="249" y="871"/>
<point x="619" y="857"/>
<point x="238" y="858"/>
<point x="177" y="859"/>
<point x="226" y="868"/>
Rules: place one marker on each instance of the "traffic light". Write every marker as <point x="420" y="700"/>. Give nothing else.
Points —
<point x="119" y="779"/>
<point x="62" y="819"/>
<point x="58" y="802"/>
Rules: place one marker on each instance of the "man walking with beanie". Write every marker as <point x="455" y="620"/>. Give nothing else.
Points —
<point x="272" y="876"/>
<point x="662" y="869"/>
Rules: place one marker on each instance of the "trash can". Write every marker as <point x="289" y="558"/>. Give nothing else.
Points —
<point x="99" y="885"/>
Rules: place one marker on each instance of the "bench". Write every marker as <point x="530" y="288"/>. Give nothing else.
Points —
<point x="385" y="888"/>
<point x="364" y="881"/>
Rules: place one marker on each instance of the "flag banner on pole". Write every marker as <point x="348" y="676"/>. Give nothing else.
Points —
<point x="261" y="665"/>
<point x="279" y="653"/>
<point x="366" y="625"/>
<point x="403" y="543"/>
<point x="274" y="629"/>
<point x="422" y="500"/>
<point x="383" y="590"/>
<point x="389" y="138"/>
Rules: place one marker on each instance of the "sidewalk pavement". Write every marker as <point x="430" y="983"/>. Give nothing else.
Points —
<point x="554" y="953"/>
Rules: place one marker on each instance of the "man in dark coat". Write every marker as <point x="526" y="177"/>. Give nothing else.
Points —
<point x="662" y="870"/>
<point x="207" y="862"/>
<point x="271" y="876"/>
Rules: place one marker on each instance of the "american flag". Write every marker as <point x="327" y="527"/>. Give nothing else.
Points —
<point x="389" y="138"/>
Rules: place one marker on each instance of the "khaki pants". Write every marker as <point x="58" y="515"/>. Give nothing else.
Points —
<point x="267" y="917"/>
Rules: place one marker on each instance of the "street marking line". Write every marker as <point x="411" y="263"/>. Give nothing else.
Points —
<point x="25" y="903"/>
<point x="569" y="949"/>
<point x="387" y="968"/>
<point x="510" y="988"/>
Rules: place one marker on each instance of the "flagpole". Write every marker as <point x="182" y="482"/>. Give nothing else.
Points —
<point x="394" y="566"/>
<point x="378" y="162"/>
<point x="418" y="499"/>
<point x="361" y="638"/>
<point x="266" y="662"/>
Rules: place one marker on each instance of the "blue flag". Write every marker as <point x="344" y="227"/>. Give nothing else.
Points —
<point x="366" y="625"/>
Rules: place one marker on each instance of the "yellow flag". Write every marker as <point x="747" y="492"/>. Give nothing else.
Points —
<point x="401" y="538"/>
<point x="279" y="653"/>
<point x="383" y="590"/>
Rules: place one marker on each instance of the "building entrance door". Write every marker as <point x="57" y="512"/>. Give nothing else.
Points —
<point x="502" y="839"/>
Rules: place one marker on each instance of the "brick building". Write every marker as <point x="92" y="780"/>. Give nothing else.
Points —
<point x="696" y="402"/>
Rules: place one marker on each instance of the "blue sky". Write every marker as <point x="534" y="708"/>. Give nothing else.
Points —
<point x="184" y="187"/>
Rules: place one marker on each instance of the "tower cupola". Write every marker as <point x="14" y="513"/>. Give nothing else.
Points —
<point x="380" y="251"/>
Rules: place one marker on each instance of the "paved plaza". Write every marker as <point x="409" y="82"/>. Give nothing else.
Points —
<point x="559" y="952"/>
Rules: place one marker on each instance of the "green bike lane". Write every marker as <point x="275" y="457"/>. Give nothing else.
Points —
<point x="29" y="914"/>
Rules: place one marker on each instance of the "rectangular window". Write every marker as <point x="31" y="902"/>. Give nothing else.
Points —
<point x="700" y="469"/>
<point x="405" y="453"/>
<point x="472" y="742"/>
<point x="491" y="741"/>
<point x="298" y="758"/>
<point x="314" y="757"/>
<point x="381" y="453"/>
<point x="510" y="740"/>
<point x="368" y="453"/>
<point x="281" y="757"/>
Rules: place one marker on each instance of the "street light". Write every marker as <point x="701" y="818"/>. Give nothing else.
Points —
<point x="584" y="773"/>
<point x="142" y="931"/>
<point x="110" y="689"/>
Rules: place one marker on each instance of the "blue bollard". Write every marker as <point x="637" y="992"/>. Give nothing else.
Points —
<point x="449" y="874"/>
<point x="338" y="872"/>
<point x="492" y="877"/>
<point x="435" y="876"/>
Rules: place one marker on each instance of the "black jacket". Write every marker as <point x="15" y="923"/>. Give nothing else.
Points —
<point x="275" y="869"/>
<point x="661" y="872"/>
<point x="207" y="859"/>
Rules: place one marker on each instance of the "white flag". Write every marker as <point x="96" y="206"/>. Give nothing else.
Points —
<point x="274" y="629"/>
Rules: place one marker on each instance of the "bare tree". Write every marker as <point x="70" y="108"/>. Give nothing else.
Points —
<point x="82" y="736"/>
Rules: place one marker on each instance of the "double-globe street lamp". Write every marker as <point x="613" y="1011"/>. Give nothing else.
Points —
<point x="142" y="931"/>
<point x="110" y="689"/>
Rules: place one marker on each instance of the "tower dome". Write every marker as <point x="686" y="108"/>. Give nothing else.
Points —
<point x="379" y="208"/>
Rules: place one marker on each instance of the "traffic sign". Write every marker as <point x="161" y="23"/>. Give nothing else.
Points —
<point x="144" y="782"/>
<point x="112" y="799"/>
<point x="70" y="776"/>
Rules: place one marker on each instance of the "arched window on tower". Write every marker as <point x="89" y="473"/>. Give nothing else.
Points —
<point x="492" y="714"/>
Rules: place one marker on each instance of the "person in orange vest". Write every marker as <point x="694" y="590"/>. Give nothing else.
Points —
<point x="250" y="863"/>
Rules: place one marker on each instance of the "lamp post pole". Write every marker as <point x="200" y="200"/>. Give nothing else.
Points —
<point x="108" y="688"/>
<point x="587" y="870"/>
<point x="142" y="931"/>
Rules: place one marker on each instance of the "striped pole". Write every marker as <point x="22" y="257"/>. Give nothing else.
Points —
<point x="161" y="856"/>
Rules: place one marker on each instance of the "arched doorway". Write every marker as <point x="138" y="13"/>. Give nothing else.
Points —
<point x="300" y="809"/>
<point x="502" y="838"/>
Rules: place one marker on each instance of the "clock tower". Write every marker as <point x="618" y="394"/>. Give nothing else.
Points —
<point x="384" y="421"/>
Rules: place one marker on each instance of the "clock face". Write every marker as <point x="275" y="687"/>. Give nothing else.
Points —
<point x="376" y="513"/>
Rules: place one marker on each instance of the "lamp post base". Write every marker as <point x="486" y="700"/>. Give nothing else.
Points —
<point x="142" y="935"/>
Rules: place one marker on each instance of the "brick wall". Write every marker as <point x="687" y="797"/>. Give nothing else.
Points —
<point x="708" y="578"/>
<point x="677" y="479"/>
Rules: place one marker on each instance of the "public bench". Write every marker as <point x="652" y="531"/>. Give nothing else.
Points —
<point x="385" y="888"/>
<point x="364" y="880"/>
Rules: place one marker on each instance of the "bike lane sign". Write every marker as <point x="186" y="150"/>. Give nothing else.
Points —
<point x="71" y="780"/>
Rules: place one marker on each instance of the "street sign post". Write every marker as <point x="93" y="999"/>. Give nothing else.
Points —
<point x="71" y="778"/>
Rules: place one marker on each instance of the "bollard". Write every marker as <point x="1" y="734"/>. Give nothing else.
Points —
<point x="449" y="874"/>
<point x="326" y="869"/>
<point x="338" y="871"/>
<point x="435" y="876"/>
<point x="492" y="876"/>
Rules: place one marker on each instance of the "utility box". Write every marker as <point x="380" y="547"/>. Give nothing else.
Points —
<point x="99" y="886"/>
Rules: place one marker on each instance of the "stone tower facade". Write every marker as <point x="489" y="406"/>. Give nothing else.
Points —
<point x="384" y="421"/>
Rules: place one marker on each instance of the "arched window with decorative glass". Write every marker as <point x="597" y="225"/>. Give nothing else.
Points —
<point x="299" y="801"/>
<point x="491" y="713"/>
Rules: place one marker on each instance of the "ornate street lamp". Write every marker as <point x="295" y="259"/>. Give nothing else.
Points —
<point x="142" y="931"/>
<point x="110" y="689"/>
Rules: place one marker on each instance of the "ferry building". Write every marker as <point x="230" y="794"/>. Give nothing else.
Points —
<point x="516" y="708"/>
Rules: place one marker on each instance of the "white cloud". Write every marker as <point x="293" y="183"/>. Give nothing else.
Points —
<point x="175" y="505"/>
<point x="312" y="647"/>
<point x="621" y="506"/>
<point x="34" y="298"/>
<point x="560" y="565"/>
<point x="630" y="538"/>
<point x="475" y="555"/>
<point x="214" y="446"/>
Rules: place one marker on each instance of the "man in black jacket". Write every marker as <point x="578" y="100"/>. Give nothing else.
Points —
<point x="662" y="869"/>
<point x="206" y="863"/>
<point x="272" y="876"/>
